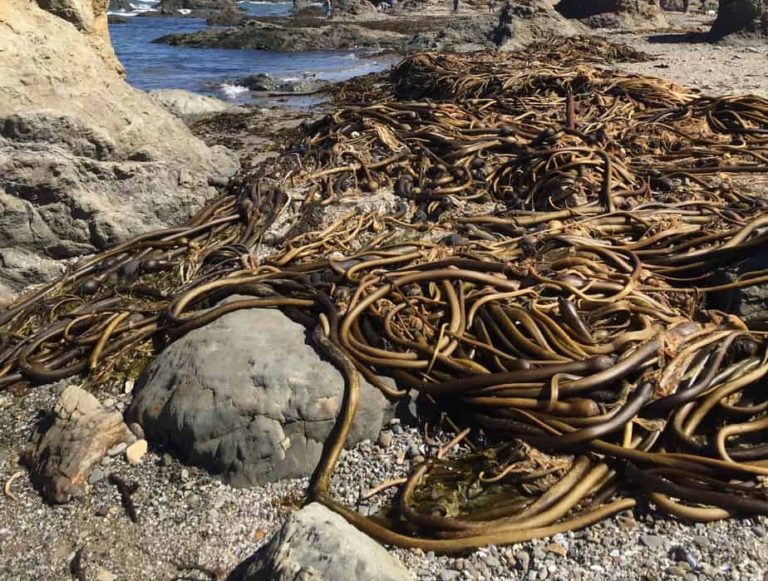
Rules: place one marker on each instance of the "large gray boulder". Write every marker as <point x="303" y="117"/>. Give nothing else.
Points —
<point x="246" y="397"/>
<point x="316" y="544"/>
<point x="85" y="159"/>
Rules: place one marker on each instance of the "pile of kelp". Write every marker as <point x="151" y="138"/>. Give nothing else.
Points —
<point x="560" y="231"/>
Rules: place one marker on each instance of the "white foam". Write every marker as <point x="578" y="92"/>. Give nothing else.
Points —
<point x="232" y="91"/>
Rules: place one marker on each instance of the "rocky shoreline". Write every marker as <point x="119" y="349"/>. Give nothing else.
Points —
<point x="177" y="520"/>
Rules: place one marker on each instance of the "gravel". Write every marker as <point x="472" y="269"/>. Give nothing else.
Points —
<point x="189" y="520"/>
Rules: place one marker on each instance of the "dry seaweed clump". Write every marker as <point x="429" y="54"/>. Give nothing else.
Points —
<point x="530" y="242"/>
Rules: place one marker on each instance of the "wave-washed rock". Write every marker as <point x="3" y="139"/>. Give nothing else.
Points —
<point x="266" y="36"/>
<point x="246" y="397"/>
<point x="316" y="544"/>
<point x="85" y="160"/>
<point x="187" y="104"/>
<point x="264" y="82"/>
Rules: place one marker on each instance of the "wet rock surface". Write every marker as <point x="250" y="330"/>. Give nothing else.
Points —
<point x="274" y="37"/>
<point x="248" y="398"/>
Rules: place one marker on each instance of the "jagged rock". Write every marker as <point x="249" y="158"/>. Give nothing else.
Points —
<point x="120" y="5"/>
<point x="82" y="432"/>
<point x="627" y="14"/>
<point x="747" y="18"/>
<point x="267" y="36"/>
<point x="170" y="7"/>
<point x="183" y="103"/>
<point x="246" y="397"/>
<point x="316" y="544"/>
<point x="85" y="159"/>
<point x="264" y="82"/>
<point x="522" y="22"/>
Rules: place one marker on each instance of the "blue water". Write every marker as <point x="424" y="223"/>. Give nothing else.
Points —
<point x="207" y="70"/>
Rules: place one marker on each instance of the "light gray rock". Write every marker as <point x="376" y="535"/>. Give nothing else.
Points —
<point x="85" y="159"/>
<point x="317" y="544"/>
<point x="248" y="398"/>
<point x="184" y="103"/>
<point x="82" y="432"/>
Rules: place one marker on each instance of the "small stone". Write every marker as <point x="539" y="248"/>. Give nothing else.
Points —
<point x="102" y="511"/>
<point x="492" y="561"/>
<point x="259" y="535"/>
<point x="522" y="560"/>
<point x="385" y="439"/>
<point x="652" y="541"/>
<point x="758" y="531"/>
<point x="103" y="574"/>
<point x="675" y="571"/>
<point x="449" y="575"/>
<point x="128" y="386"/>
<point x="459" y="565"/>
<point x="136" y="430"/>
<point x="701" y="541"/>
<point x="627" y="522"/>
<point x="136" y="452"/>
<point x="413" y="451"/>
<point x="557" y="549"/>
<point x="683" y="557"/>
<point x="166" y="460"/>
<point x="397" y="429"/>
<point x="418" y="459"/>
<point x="109" y="402"/>
<point x="184" y="474"/>
<point x="394" y="422"/>
<point x="118" y="449"/>
<point x="96" y="475"/>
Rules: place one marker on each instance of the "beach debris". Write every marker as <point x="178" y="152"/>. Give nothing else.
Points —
<point x="80" y="436"/>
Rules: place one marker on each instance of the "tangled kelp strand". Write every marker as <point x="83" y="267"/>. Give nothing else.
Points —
<point x="543" y="284"/>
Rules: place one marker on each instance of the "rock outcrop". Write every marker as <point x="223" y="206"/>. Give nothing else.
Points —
<point x="85" y="160"/>
<point x="626" y="14"/>
<point x="744" y="18"/>
<point x="316" y="544"/>
<point x="290" y="38"/>
<point x="522" y="22"/>
<point x="246" y="397"/>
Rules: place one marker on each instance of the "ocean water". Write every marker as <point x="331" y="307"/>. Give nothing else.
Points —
<point x="212" y="71"/>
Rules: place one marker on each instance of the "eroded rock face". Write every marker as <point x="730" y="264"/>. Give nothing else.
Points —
<point x="246" y="397"/>
<point x="82" y="432"/>
<point x="748" y="17"/>
<point x="85" y="160"/>
<point x="316" y="544"/>
<point x="628" y="14"/>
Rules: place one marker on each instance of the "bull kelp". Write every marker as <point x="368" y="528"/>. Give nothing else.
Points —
<point x="544" y="276"/>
